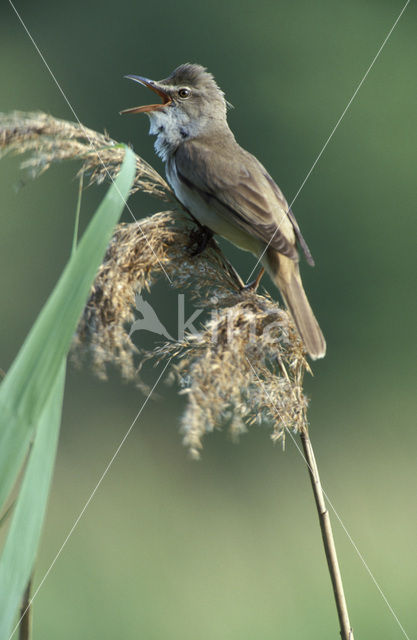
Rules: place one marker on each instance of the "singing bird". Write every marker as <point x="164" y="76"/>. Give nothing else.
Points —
<point x="225" y="187"/>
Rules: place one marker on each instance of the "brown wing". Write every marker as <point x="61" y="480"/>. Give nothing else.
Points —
<point x="302" y="242"/>
<point x="241" y="186"/>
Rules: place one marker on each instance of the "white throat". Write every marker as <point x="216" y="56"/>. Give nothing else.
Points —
<point x="171" y="127"/>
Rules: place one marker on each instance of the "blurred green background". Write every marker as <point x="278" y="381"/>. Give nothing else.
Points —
<point x="229" y="547"/>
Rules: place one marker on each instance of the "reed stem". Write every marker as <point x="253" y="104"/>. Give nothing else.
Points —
<point x="346" y="632"/>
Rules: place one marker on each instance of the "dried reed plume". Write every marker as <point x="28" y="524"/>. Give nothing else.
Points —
<point x="245" y="365"/>
<point x="50" y="140"/>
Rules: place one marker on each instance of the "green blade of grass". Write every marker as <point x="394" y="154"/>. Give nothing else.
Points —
<point x="27" y="385"/>
<point x="16" y="563"/>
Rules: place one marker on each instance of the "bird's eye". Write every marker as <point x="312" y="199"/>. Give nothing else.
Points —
<point x="184" y="92"/>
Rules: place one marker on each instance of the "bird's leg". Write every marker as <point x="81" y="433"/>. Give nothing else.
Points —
<point x="200" y="237"/>
<point x="252" y="286"/>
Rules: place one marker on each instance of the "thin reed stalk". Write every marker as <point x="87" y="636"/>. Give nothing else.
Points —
<point x="346" y="632"/>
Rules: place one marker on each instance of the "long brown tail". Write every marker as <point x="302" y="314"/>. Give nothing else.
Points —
<point x="286" y="275"/>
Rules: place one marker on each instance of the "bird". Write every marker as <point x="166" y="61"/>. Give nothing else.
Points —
<point x="225" y="188"/>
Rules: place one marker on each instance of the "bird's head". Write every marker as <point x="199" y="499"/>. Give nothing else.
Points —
<point x="190" y="98"/>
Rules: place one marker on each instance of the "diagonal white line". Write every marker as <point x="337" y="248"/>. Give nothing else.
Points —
<point x="103" y="475"/>
<point x="85" y="131"/>
<point x="336" y="514"/>
<point x="331" y="134"/>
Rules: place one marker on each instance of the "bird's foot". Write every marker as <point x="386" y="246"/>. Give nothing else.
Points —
<point x="253" y="286"/>
<point x="200" y="237"/>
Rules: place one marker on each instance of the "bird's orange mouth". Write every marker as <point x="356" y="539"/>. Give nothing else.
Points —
<point x="166" y="99"/>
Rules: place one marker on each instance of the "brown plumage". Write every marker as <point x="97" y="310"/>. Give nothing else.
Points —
<point x="226" y="188"/>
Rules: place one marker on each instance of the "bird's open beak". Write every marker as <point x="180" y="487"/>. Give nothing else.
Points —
<point x="166" y="100"/>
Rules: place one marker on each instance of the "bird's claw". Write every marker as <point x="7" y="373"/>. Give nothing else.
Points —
<point x="200" y="237"/>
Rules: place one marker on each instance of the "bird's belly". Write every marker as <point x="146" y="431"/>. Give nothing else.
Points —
<point x="207" y="214"/>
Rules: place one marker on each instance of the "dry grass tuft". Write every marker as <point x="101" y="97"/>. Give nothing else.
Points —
<point x="245" y="365"/>
<point x="49" y="140"/>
